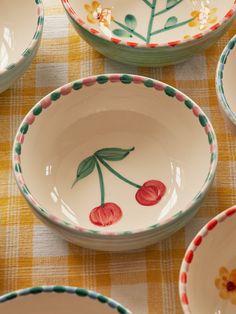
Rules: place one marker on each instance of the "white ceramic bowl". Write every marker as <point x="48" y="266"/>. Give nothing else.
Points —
<point x="208" y="274"/>
<point x="109" y="161"/>
<point x="20" y="33"/>
<point x="58" y="300"/>
<point x="225" y="76"/>
<point x="150" y="32"/>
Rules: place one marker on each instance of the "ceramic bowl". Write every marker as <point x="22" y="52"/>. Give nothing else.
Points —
<point x="150" y="32"/>
<point x="17" y="50"/>
<point x="208" y="274"/>
<point x="225" y="83"/>
<point x="59" y="300"/>
<point x="106" y="160"/>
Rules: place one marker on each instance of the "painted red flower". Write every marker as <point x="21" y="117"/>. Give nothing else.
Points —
<point x="105" y="215"/>
<point x="150" y="193"/>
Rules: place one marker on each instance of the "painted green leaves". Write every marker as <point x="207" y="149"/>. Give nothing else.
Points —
<point x="86" y="167"/>
<point x="172" y="3"/>
<point x="127" y="28"/>
<point x="171" y="22"/>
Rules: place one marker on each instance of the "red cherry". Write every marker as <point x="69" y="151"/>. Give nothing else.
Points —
<point x="150" y="193"/>
<point x="105" y="215"/>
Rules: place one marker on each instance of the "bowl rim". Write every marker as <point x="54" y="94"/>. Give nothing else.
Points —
<point x="192" y="249"/>
<point x="32" y="45"/>
<point x="79" y="292"/>
<point x="219" y="80"/>
<point x="74" y="86"/>
<point x="71" y="12"/>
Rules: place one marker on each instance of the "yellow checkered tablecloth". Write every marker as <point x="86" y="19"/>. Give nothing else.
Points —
<point x="146" y="281"/>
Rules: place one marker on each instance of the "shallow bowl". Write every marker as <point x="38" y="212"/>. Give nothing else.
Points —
<point x="114" y="156"/>
<point x="150" y="32"/>
<point x="20" y="33"/>
<point x="208" y="275"/>
<point x="58" y="300"/>
<point x="225" y="83"/>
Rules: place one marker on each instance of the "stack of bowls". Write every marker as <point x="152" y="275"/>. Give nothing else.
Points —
<point x="106" y="171"/>
<point x="150" y="32"/>
<point x="19" y="37"/>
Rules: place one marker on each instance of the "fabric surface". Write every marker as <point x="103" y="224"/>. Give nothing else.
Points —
<point x="146" y="281"/>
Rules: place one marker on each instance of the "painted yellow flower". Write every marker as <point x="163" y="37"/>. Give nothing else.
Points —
<point x="97" y="14"/>
<point x="226" y="283"/>
<point x="203" y="17"/>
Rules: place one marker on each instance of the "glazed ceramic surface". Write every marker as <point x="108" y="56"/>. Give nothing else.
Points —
<point x="17" y="51"/>
<point x="225" y="77"/>
<point x="208" y="273"/>
<point x="58" y="300"/>
<point x="168" y="27"/>
<point x="106" y="165"/>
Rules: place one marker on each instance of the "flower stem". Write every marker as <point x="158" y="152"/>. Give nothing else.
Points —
<point x="167" y="9"/>
<point x="101" y="182"/>
<point x="150" y="25"/>
<point x="117" y="174"/>
<point x="148" y="3"/>
<point x="171" y="27"/>
<point x="131" y="31"/>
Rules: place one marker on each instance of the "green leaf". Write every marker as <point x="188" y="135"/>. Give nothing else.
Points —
<point x="171" y="3"/>
<point x="85" y="168"/>
<point x="171" y="21"/>
<point x="121" y="33"/>
<point x="113" y="154"/>
<point x="130" y="21"/>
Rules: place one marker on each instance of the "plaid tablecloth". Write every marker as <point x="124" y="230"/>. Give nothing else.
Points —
<point x="146" y="281"/>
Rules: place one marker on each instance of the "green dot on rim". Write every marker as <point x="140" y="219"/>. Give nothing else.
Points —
<point x="102" y="299"/>
<point x="170" y="91"/>
<point x="77" y="85"/>
<point x="102" y="79"/>
<point x="59" y="289"/>
<point x="54" y="96"/>
<point x="188" y="104"/>
<point x="203" y="120"/>
<point x="126" y="79"/>
<point x="24" y="128"/>
<point x="81" y="292"/>
<point x="121" y="310"/>
<point x="37" y="110"/>
<point x="36" y="290"/>
<point x="18" y="148"/>
<point x="149" y="83"/>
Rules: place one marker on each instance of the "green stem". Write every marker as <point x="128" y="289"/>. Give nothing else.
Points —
<point x="167" y="9"/>
<point x="117" y="174"/>
<point x="101" y="182"/>
<point x="131" y="31"/>
<point x="150" y="25"/>
<point x="171" y="27"/>
<point x="148" y="3"/>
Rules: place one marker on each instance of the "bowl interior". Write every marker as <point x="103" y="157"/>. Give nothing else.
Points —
<point x="18" y="22"/>
<point x="151" y="21"/>
<point x="228" y="80"/>
<point x="55" y="303"/>
<point x="211" y="270"/>
<point x="150" y="136"/>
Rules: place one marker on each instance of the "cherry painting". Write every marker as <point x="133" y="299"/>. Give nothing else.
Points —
<point x="107" y="213"/>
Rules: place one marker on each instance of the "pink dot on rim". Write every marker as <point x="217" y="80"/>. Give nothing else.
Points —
<point x="211" y="225"/>
<point x="196" y="111"/>
<point x="231" y="212"/>
<point x="137" y="79"/>
<point x="189" y="257"/>
<point x="46" y="102"/>
<point x="183" y="277"/>
<point x="89" y="81"/>
<point x="184" y="298"/>
<point x="30" y="118"/>
<point x="114" y="78"/>
<point x="179" y="97"/>
<point x="65" y="90"/>
<point x="197" y="241"/>
<point x="20" y="138"/>
<point x="159" y="86"/>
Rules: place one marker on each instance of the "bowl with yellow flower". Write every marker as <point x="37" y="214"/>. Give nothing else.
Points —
<point x="150" y="32"/>
<point x="207" y="282"/>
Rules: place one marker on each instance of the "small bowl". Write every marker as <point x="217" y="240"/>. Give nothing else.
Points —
<point x="105" y="161"/>
<point x="60" y="300"/>
<point x="225" y="83"/>
<point x="207" y="281"/>
<point x="150" y="32"/>
<point x="20" y="34"/>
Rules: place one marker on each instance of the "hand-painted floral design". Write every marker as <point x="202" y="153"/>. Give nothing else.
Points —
<point x="150" y="193"/>
<point x="106" y="214"/>
<point x="97" y="14"/>
<point x="226" y="283"/>
<point x="203" y="17"/>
